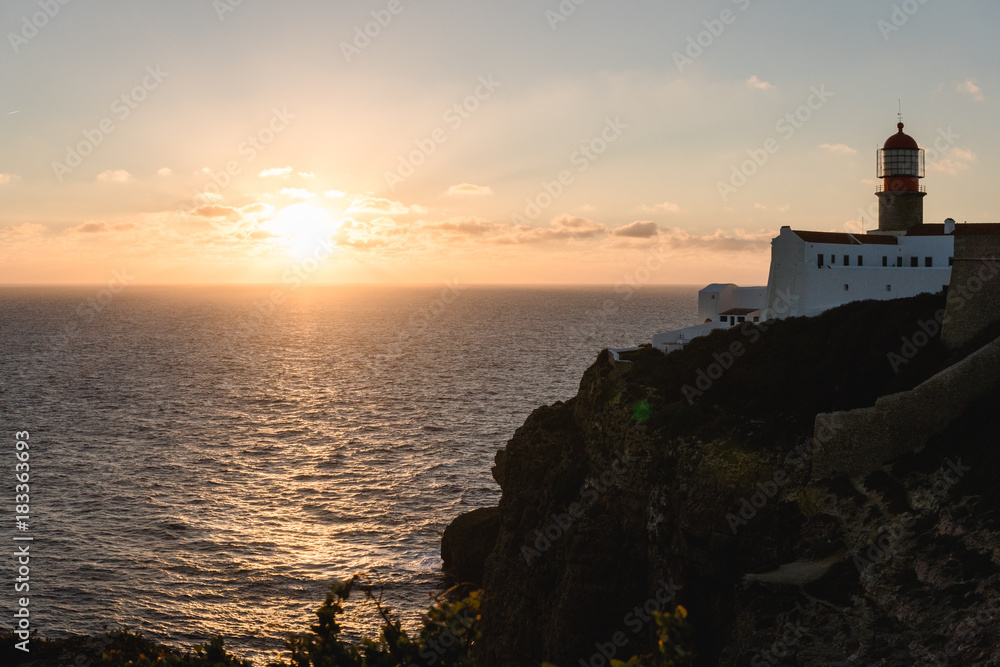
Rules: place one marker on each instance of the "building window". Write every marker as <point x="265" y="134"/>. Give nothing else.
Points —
<point x="914" y="262"/>
<point x="756" y="319"/>
<point x="951" y="261"/>
<point x="819" y="261"/>
<point x="847" y="260"/>
<point x="861" y="260"/>
<point x="928" y="261"/>
<point x="885" y="261"/>
<point x="888" y="288"/>
<point x="741" y="319"/>
<point x="833" y="259"/>
<point x="847" y="287"/>
<point x="899" y="262"/>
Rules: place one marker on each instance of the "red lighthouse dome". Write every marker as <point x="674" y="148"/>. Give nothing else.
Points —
<point x="901" y="140"/>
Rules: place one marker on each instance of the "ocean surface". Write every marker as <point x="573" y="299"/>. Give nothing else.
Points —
<point x="205" y="461"/>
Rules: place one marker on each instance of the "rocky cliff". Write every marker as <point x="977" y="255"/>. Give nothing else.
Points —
<point x="688" y="479"/>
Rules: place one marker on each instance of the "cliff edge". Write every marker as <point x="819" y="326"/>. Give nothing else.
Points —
<point x="688" y="479"/>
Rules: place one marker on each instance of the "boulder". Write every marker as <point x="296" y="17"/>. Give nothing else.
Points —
<point x="467" y="541"/>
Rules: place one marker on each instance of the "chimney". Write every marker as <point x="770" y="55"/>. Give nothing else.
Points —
<point x="949" y="226"/>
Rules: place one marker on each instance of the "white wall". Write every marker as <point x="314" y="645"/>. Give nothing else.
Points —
<point x="795" y="276"/>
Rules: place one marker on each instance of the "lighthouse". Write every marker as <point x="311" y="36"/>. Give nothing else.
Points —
<point x="900" y="197"/>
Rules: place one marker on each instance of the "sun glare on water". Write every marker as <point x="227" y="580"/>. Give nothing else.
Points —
<point x="304" y="230"/>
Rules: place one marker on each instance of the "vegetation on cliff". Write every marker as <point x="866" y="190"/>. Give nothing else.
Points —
<point x="447" y="639"/>
<point x="811" y="571"/>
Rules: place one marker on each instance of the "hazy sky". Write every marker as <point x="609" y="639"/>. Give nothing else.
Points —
<point x="432" y="140"/>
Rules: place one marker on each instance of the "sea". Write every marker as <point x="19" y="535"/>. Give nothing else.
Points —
<point x="205" y="461"/>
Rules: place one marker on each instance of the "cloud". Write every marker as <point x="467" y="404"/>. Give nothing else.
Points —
<point x="101" y="227"/>
<point x="257" y="209"/>
<point x="114" y="176"/>
<point x="578" y="226"/>
<point x="969" y="87"/>
<point x="24" y="232"/>
<point x="8" y="178"/>
<point x="962" y="154"/>
<point x="840" y="149"/>
<point x="297" y="193"/>
<point x="217" y="211"/>
<point x="306" y="174"/>
<point x="472" y="227"/>
<point x="667" y="206"/>
<point x="738" y="240"/>
<point x="563" y="228"/>
<point x="952" y="162"/>
<point x="276" y="171"/>
<point x="760" y="207"/>
<point x="165" y="171"/>
<point x="378" y="205"/>
<point x="640" y="229"/>
<point x="335" y="194"/>
<point x="754" y="82"/>
<point x="784" y="208"/>
<point x="469" y="189"/>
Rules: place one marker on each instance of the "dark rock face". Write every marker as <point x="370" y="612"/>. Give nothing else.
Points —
<point x="629" y="498"/>
<point x="467" y="541"/>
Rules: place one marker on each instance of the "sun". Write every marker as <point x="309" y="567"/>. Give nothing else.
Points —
<point x="303" y="229"/>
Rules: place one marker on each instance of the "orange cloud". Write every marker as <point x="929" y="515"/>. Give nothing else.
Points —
<point x="640" y="229"/>
<point x="469" y="189"/>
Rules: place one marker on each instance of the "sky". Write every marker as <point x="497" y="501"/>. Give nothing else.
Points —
<point x="515" y="142"/>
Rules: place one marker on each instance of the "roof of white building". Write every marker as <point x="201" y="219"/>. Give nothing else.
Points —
<point x="929" y="229"/>
<point x="844" y="238"/>
<point x="963" y="229"/>
<point x="716" y="287"/>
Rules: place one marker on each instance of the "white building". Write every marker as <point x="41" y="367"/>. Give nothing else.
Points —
<point x="814" y="271"/>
